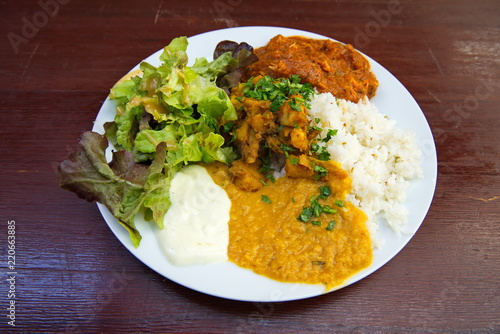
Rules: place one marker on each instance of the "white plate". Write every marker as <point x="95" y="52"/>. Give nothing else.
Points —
<point x="230" y="281"/>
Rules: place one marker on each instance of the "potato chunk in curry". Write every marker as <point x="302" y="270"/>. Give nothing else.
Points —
<point x="288" y="126"/>
<point x="265" y="127"/>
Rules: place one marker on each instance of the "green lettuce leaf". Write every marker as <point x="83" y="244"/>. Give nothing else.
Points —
<point x="147" y="140"/>
<point x="174" y="54"/>
<point x="124" y="91"/>
<point x="157" y="186"/>
<point x="184" y="106"/>
<point x="166" y="118"/>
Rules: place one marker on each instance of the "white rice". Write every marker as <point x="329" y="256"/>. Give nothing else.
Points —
<point x="380" y="158"/>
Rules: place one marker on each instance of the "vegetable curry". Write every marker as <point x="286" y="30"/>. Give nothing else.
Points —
<point x="299" y="227"/>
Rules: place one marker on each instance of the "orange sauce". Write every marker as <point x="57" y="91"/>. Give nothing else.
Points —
<point x="329" y="66"/>
<point x="266" y="236"/>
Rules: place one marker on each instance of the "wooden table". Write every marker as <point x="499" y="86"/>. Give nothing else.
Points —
<point x="60" y="57"/>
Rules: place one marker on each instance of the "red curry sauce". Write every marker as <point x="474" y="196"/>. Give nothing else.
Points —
<point x="327" y="65"/>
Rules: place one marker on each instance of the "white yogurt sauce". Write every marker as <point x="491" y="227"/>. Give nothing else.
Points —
<point x="196" y="225"/>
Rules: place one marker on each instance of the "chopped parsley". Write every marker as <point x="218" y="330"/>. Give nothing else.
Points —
<point x="286" y="148"/>
<point x="270" y="177"/>
<point x="278" y="91"/>
<point x="266" y="199"/>
<point x="295" y="104"/>
<point x="320" y="172"/>
<point x="330" y="133"/>
<point x="325" y="191"/>
<point x="328" y="209"/>
<point x="331" y="225"/>
<point x="306" y="214"/>
<point x="320" y="151"/>
<point x="317" y="128"/>
<point x="316" y="209"/>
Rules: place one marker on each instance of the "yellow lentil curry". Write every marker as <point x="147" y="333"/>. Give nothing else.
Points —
<point x="266" y="235"/>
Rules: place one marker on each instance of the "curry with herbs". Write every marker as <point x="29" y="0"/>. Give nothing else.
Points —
<point x="299" y="227"/>
<point x="327" y="65"/>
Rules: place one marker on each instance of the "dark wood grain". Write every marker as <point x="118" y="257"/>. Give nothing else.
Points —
<point x="74" y="276"/>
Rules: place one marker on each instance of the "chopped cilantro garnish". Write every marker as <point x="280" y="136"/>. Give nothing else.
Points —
<point x="276" y="103"/>
<point x="319" y="169"/>
<point x="316" y="209"/>
<point x="294" y="161"/>
<point x="286" y="148"/>
<point x="320" y="172"/>
<point x="325" y="191"/>
<point x="317" y="128"/>
<point x="339" y="203"/>
<point x="321" y="151"/>
<point x="331" y="225"/>
<point x="294" y="104"/>
<point x="306" y="214"/>
<point x="330" y="133"/>
<point x="278" y="91"/>
<point x="270" y="177"/>
<point x="266" y="199"/>
<point x="264" y="168"/>
<point x="328" y="209"/>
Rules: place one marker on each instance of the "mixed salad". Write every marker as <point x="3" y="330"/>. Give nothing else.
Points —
<point x="166" y="118"/>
